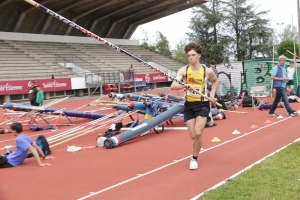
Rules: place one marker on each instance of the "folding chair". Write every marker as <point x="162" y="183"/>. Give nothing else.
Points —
<point x="260" y="93"/>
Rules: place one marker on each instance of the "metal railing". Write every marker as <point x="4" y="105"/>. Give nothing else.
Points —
<point x="164" y="63"/>
<point x="33" y="76"/>
<point x="71" y="58"/>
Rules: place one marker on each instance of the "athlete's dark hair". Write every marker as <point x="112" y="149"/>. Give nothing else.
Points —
<point x="193" y="46"/>
<point x="213" y="62"/>
<point x="16" y="126"/>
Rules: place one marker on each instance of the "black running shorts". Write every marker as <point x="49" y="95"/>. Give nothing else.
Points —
<point x="291" y="82"/>
<point x="195" y="109"/>
<point x="4" y="163"/>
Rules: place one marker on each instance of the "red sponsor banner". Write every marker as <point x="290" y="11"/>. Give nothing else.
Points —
<point x="13" y="87"/>
<point x="22" y="86"/>
<point x="151" y="78"/>
<point x="54" y="84"/>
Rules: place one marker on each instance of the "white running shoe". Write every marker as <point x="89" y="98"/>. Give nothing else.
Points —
<point x="211" y="122"/>
<point x="193" y="164"/>
<point x="73" y="148"/>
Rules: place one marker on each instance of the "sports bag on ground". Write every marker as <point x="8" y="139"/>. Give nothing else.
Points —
<point x="247" y="102"/>
<point x="42" y="142"/>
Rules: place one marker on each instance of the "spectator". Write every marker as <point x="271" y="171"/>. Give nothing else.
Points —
<point x="280" y="103"/>
<point x="40" y="96"/>
<point x="32" y="93"/>
<point x="24" y="145"/>
<point x="130" y="72"/>
<point x="290" y="75"/>
<point x="279" y="77"/>
<point x="213" y="66"/>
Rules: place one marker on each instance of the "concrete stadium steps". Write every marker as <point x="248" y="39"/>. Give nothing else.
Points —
<point x="165" y="61"/>
<point x="38" y="50"/>
<point x="109" y="58"/>
<point x="18" y="59"/>
<point x="39" y="55"/>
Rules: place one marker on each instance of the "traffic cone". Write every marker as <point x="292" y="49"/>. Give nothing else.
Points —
<point x="215" y="139"/>
<point x="253" y="126"/>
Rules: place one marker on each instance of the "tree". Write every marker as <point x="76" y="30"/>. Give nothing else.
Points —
<point x="206" y="26"/>
<point x="249" y="33"/>
<point x="287" y="45"/>
<point x="178" y="52"/>
<point x="145" y="42"/>
<point x="289" y="33"/>
<point x="162" y="44"/>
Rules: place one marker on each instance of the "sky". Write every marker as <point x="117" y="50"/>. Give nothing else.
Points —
<point x="281" y="11"/>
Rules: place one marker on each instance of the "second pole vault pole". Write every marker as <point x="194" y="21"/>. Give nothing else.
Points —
<point x="54" y="14"/>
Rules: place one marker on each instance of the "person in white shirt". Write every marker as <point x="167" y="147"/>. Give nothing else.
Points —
<point x="290" y="75"/>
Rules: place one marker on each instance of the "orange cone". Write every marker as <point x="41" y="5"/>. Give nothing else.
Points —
<point x="268" y="122"/>
<point x="253" y="126"/>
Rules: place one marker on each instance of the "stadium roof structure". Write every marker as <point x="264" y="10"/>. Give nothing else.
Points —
<point x="106" y="18"/>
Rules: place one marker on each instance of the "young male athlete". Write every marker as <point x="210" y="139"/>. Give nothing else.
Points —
<point x="24" y="145"/>
<point x="196" y="108"/>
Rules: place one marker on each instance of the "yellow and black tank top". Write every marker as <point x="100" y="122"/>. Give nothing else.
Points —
<point x="198" y="81"/>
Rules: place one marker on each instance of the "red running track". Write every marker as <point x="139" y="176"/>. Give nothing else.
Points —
<point x="151" y="167"/>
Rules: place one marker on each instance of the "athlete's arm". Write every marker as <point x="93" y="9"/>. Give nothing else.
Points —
<point x="37" y="157"/>
<point x="180" y="74"/>
<point x="211" y="75"/>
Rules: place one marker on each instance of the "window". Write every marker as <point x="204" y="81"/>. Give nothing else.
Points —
<point x="70" y="92"/>
<point x="16" y="97"/>
<point x="59" y="93"/>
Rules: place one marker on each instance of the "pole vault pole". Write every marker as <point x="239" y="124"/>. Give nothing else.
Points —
<point x="295" y="54"/>
<point x="54" y="14"/>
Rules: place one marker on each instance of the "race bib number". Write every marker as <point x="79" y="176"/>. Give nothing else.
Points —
<point x="194" y="94"/>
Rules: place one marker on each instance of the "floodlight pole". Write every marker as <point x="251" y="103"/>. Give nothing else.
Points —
<point x="298" y="8"/>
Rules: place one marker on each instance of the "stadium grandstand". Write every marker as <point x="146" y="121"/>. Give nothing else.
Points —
<point x="65" y="61"/>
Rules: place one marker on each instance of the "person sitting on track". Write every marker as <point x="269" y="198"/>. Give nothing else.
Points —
<point x="23" y="145"/>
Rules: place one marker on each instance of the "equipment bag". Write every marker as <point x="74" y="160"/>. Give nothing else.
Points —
<point x="42" y="142"/>
<point x="247" y="102"/>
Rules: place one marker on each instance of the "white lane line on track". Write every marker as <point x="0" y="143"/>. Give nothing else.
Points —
<point x="243" y="170"/>
<point x="187" y="157"/>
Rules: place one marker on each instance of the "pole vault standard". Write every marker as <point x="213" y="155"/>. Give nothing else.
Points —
<point x="69" y="113"/>
<point x="54" y="14"/>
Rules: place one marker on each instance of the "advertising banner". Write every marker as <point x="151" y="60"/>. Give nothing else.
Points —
<point x="150" y="78"/>
<point x="22" y="86"/>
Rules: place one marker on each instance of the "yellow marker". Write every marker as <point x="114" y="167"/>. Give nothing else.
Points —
<point x="215" y="139"/>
